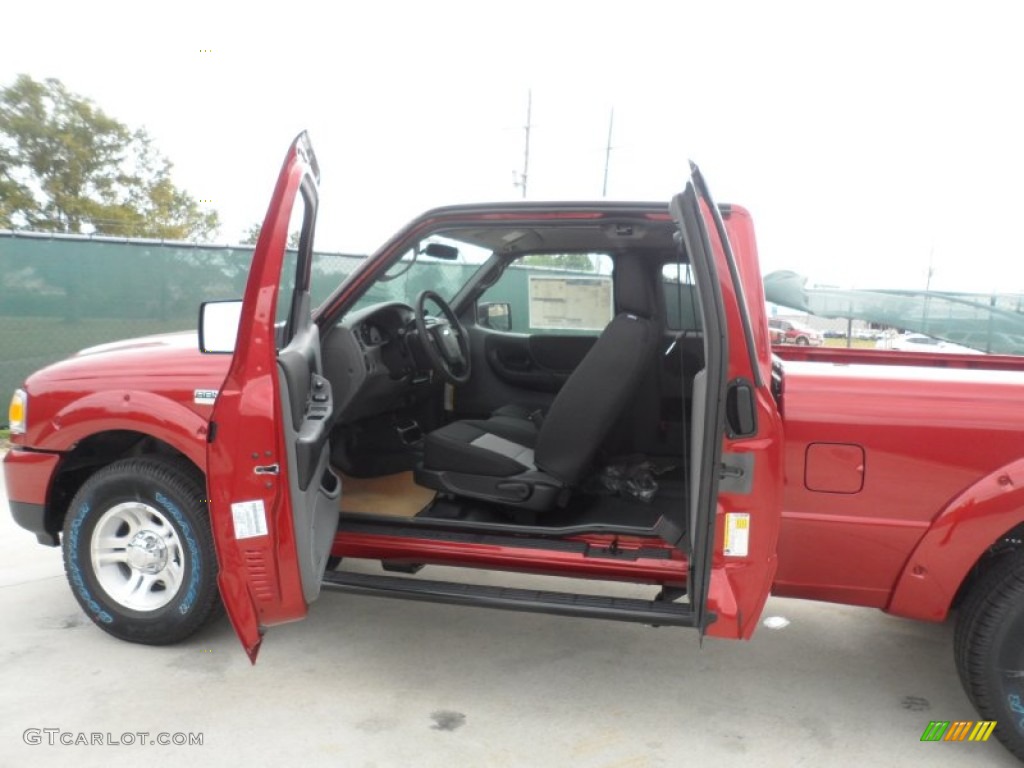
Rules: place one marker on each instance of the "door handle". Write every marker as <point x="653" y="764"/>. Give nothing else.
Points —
<point x="516" y="363"/>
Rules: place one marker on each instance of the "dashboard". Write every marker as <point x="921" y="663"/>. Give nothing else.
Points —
<point x="373" y="334"/>
<point x="374" y="361"/>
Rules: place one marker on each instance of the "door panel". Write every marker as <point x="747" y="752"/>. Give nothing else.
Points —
<point x="517" y="368"/>
<point x="313" y="488"/>
<point x="560" y="353"/>
<point x="273" y="499"/>
<point x="541" y="363"/>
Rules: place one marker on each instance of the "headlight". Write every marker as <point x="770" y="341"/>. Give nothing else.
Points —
<point x="17" y="414"/>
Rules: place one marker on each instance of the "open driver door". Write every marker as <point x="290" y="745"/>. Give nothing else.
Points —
<point x="273" y="498"/>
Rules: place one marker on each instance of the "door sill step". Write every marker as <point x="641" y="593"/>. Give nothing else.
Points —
<point x="513" y="599"/>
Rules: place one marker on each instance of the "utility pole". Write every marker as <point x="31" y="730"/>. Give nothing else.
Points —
<point x="928" y="287"/>
<point x="526" y="155"/>
<point x="608" y="153"/>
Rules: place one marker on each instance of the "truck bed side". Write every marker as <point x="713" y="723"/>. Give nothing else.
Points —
<point x="875" y="454"/>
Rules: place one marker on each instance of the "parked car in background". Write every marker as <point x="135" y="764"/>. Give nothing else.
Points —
<point x="869" y="334"/>
<point x="792" y="332"/>
<point x="918" y="342"/>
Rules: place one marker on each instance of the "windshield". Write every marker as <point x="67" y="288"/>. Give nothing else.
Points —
<point x="440" y="264"/>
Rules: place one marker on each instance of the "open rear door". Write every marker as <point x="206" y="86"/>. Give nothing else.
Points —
<point x="730" y="527"/>
<point x="273" y="498"/>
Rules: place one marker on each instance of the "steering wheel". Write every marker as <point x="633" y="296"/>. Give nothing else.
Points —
<point x="444" y="339"/>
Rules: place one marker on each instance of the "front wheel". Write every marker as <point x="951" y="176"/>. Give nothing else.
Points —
<point x="989" y="646"/>
<point x="138" y="551"/>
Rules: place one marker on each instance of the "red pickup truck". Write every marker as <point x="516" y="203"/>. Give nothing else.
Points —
<point x="582" y="390"/>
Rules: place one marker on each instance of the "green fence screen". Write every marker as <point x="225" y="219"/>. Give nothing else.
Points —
<point x="59" y="295"/>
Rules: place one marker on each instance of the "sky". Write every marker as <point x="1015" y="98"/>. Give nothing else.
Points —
<point x="871" y="141"/>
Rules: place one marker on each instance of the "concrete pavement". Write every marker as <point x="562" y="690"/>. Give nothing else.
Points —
<point x="368" y="682"/>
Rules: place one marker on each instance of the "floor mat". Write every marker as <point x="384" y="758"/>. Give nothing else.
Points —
<point x="583" y="509"/>
<point x="392" y="495"/>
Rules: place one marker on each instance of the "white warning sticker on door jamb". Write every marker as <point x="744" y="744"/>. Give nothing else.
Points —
<point x="250" y="518"/>
<point x="737" y="534"/>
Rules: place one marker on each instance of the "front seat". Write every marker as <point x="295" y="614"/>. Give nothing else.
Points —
<point x="511" y="460"/>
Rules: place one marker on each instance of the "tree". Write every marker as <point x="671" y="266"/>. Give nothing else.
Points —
<point x="252" y="234"/>
<point x="574" y="261"/>
<point x="66" y="166"/>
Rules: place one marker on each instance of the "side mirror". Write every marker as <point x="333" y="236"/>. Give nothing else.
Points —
<point x="218" y="326"/>
<point x="496" y="315"/>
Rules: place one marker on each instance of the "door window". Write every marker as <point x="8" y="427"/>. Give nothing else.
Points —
<point x="295" y="271"/>
<point x="553" y="293"/>
<point x="682" y="312"/>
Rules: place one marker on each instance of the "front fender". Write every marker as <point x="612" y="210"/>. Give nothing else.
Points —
<point x="132" y="411"/>
<point x="971" y="523"/>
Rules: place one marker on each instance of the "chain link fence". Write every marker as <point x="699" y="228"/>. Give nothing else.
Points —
<point x="60" y="294"/>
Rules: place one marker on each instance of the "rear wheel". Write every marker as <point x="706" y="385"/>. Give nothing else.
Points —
<point x="138" y="551"/>
<point x="802" y="341"/>
<point x="989" y="648"/>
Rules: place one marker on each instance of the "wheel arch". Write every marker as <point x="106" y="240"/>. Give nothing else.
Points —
<point x="96" y="451"/>
<point x="978" y="524"/>
<point x="1013" y="540"/>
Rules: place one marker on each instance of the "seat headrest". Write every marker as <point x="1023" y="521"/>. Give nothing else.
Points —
<point x="633" y="290"/>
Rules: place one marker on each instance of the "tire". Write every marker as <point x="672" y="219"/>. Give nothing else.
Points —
<point x="970" y="607"/>
<point x="138" y="551"/>
<point x="802" y="341"/>
<point x="989" y="648"/>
